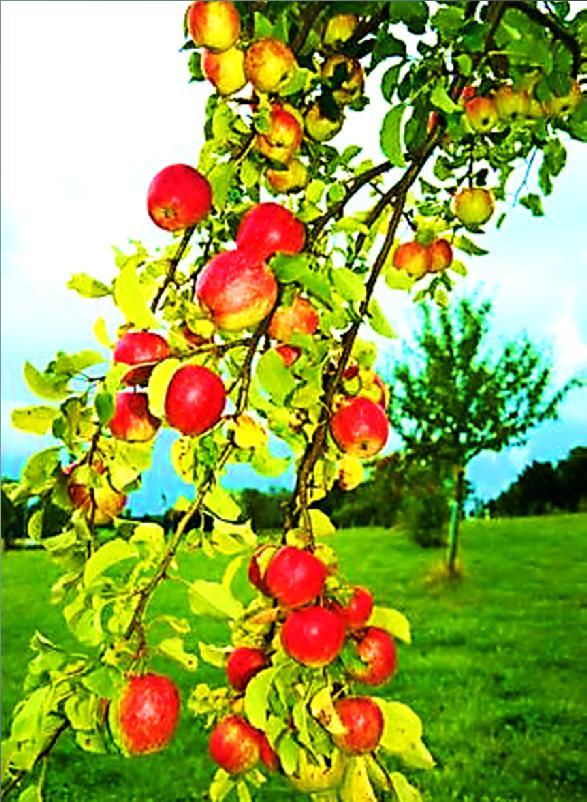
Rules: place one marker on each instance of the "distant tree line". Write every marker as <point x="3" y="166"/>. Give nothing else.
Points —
<point x="544" y="487"/>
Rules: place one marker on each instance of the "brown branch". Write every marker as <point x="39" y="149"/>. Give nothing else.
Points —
<point x="557" y="30"/>
<point x="314" y="10"/>
<point x="173" y="263"/>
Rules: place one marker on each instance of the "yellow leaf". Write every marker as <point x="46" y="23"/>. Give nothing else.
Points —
<point x="158" y="384"/>
<point x="391" y="621"/>
<point x="403" y="790"/>
<point x="350" y="472"/>
<point x="129" y="298"/>
<point x="356" y="786"/>
<point x="101" y="333"/>
<point x="248" y="433"/>
<point x="402" y="735"/>
<point x="321" y="524"/>
<point x="183" y="459"/>
<point x="322" y="708"/>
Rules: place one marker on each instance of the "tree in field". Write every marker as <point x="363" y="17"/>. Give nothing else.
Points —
<point x="242" y="328"/>
<point x="455" y="397"/>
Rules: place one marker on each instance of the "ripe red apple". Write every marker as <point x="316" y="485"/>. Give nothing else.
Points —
<point x="358" y="609"/>
<point x="467" y="93"/>
<point x="319" y="127"/>
<point x="511" y="104"/>
<point x="351" y="87"/>
<point x="142" y="348"/>
<point x="195" y="400"/>
<point x="481" y="113"/>
<point x="178" y="197"/>
<point x="243" y="664"/>
<point x="225" y="70"/>
<point x="376" y="649"/>
<point x="440" y="255"/>
<point x="132" y="420"/>
<point x="339" y="28"/>
<point x="268" y="755"/>
<point x="147" y="713"/>
<point x="360" y="427"/>
<point x="291" y="178"/>
<point x="234" y="745"/>
<point x="258" y="566"/>
<point x="289" y="354"/>
<point x="284" y="136"/>
<point x="269" y="228"/>
<point x="412" y="257"/>
<point x="294" y="576"/>
<point x="363" y="720"/>
<point x="474" y="206"/>
<point x="104" y="500"/>
<point x="300" y="317"/>
<point x="214" y="24"/>
<point x="237" y="289"/>
<point x="313" y="636"/>
<point x="269" y="65"/>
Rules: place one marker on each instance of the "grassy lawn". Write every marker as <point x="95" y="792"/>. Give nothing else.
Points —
<point x="497" y="669"/>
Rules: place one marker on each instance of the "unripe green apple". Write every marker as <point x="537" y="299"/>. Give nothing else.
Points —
<point x="351" y="87"/>
<point x="225" y="70"/>
<point x="339" y="29"/>
<point x="566" y="104"/>
<point x="290" y="178"/>
<point x="511" y="104"/>
<point x="474" y="206"/>
<point x="284" y="136"/>
<point x="319" y="127"/>
<point x="481" y="113"/>
<point x="214" y="24"/>
<point x="269" y="65"/>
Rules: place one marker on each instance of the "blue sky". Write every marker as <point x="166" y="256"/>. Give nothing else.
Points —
<point x="95" y="101"/>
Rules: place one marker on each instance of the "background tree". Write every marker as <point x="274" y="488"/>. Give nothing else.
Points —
<point x="244" y="324"/>
<point x="454" y="396"/>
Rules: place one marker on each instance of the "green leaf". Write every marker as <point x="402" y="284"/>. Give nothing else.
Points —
<point x="31" y="793"/>
<point x="221" y="504"/>
<point x="37" y="420"/>
<point x="403" y="790"/>
<point x="213" y="655"/>
<point x="105" y="682"/>
<point x="87" y="286"/>
<point x="109" y="554"/>
<point x="297" y="82"/>
<point x="265" y="463"/>
<point x="104" y="405"/>
<point x="213" y="599"/>
<point x="392" y="621"/>
<point x="41" y="467"/>
<point x="289" y="268"/>
<point x="378" y="321"/>
<point x="387" y="46"/>
<point x="533" y="202"/>
<point x="242" y="791"/>
<point x="349" y="284"/>
<point x="129" y="298"/>
<point x="390" y="137"/>
<point x="54" y="388"/>
<point x="288" y="750"/>
<point x="257" y="697"/>
<point x="402" y="734"/>
<point x="174" y="648"/>
<point x="468" y="246"/>
<point x="274" y="377"/>
<point x="441" y="99"/>
<point x="221" y="786"/>
<point x="413" y="13"/>
<point x="221" y="178"/>
<point x="389" y="82"/>
<point x="82" y="710"/>
<point x="35" y="525"/>
<point x="398" y="279"/>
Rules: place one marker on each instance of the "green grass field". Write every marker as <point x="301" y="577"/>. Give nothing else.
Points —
<point x="497" y="669"/>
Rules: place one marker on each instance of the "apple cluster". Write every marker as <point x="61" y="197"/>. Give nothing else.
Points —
<point x="316" y="629"/>
<point x="419" y="259"/>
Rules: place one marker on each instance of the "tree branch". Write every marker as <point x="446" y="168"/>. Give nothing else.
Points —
<point x="173" y="263"/>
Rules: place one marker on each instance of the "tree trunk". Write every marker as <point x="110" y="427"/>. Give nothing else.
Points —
<point x="456" y="514"/>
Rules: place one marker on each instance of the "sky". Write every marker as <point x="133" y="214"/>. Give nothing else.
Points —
<point x="95" y="100"/>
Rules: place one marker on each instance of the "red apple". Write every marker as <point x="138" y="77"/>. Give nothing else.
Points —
<point x="258" y="566"/>
<point x="225" y="70"/>
<point x="237" y="289"/>
<point x="360" y="427"/>
<point x="376" y="649"/>
<point x="268" y="755"/>
<point x="290" y="178"/>
<point x="358" y="609"/>
<point x="351" y="87"/>
<point x="234" y="745"/>
<point x="294" y="576"/>
<point x="269" y="65"/>
<point x="243" y="664"/>
<point x="300" y="317"/>
<point x="474" y="206"/>
<point x="412" y="257"/>
<point x="214" y="24"/>
<point x="269" y="228"/>
<point x="132" y="420"/>
<point x="289" y="354"/>
<point x="284" y="136"/>
<point x="148" y="713"/>
<point x="142" y="348"/>
<point x="440" y="255"/>
<point x="100" y="504"/>
<point x="363" y="721"/>
<point x="481" y="113"/>
<point x="313" y="636"/>
<point x="178" y="197"/>
<point x="195" y="400"/>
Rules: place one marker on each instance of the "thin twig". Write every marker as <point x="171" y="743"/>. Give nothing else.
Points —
<point x="173" y="263"/>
